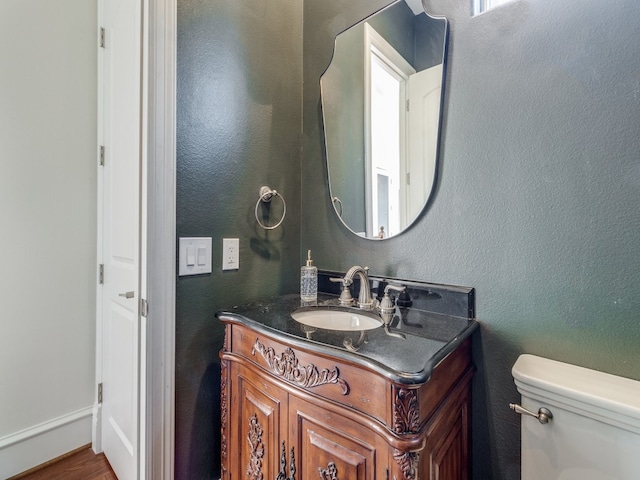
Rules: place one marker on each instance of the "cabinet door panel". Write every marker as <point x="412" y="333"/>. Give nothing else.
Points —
<point x="328" y="447"/>
<point x="262" y="427"/>
<point x="447" y="452"/>
<point x="448" y="461"/>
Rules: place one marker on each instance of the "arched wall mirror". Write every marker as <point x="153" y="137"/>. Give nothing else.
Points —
<point x="381" y="105"/>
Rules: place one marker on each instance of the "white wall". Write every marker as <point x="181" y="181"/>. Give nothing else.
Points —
<point x="47" y="228"/>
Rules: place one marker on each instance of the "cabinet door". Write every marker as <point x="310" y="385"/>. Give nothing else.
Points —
<point x="329" y="446"/>
<point x="447" y="451"/>
<point x="259" y="426"/>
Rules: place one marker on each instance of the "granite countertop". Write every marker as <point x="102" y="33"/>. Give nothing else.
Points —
<point x="406" y="351"/>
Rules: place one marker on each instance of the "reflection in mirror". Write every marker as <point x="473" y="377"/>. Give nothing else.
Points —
<point x="479" y="6"/>
<point x="381" y="98"/>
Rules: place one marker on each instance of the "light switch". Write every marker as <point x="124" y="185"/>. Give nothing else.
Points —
<point x="191" y="258"/>
<point x="194" y="256"/>
<point x="202" y="255"/>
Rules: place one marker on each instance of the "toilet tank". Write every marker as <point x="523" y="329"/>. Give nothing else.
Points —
<point x="595" y="430"/>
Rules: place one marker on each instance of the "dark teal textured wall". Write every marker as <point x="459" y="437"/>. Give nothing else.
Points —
<point x="537" y="203"/>
<point x="239" y="126"/>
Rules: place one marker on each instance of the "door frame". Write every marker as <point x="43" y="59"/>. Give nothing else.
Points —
<point x="157" y="361"/>
<point x="160" y="31"/>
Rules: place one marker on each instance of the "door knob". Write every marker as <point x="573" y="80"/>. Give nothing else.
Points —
<point x="127" y="294"/>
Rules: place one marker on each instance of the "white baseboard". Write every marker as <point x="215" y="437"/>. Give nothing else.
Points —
<point x="36" y="445"/>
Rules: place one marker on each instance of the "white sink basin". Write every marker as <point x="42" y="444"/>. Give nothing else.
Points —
<point x="334" y="319"/>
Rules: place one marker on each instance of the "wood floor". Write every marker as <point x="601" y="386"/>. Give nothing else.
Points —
<point x="82" y="464"/>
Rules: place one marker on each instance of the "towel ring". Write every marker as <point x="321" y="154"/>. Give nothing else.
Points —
<point x="266" y="194"/>
<point x="337" y="201"/>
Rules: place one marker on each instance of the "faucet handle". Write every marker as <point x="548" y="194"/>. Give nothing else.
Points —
<point x="386" y="305"/>
<point x="391" y="286"/>
<point x="345" y="295"/>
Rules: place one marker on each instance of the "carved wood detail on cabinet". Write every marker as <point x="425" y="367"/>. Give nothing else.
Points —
<point x="276" y="425"/>
<point x="282" y="474"/>
<point x="286" y="365"/>
<point x="406" y="419"/>
<point x="256" y="452"/>
<point x="223" y="409"/>
<point x="408" y="462"/>
<point x="329" y="473"/>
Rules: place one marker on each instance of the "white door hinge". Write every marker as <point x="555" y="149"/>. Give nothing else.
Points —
<point x="144" y="307"/>
<point x="100" y="274"/>
<point x="99" y="393"/>
<point x="101" y="37"/>
<point x="102" y="155"/>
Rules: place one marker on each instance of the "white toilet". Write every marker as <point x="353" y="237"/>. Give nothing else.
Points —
<point x="594" y="432"/>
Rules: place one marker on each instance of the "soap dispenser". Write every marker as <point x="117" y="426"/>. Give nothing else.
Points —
<point x="309" y="281"/>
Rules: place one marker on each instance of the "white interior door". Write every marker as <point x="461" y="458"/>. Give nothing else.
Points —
<point x="120" y="112"/>
<point x="424" y="115"/>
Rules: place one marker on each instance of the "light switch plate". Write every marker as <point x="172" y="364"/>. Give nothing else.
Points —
<point x="199" y="256"/>
<point x="230" y="253"/>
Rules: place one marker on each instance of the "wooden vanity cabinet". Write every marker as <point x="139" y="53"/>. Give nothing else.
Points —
<point x="292" y="413"/>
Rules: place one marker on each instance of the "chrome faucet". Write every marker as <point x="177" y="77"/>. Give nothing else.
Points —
<point x="365" y="301"/>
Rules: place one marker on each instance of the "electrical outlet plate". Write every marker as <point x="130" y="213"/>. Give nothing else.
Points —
<point x="230" y="253"/>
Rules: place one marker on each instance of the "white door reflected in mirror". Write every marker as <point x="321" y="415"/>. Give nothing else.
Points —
<point x="402" y="126"/>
